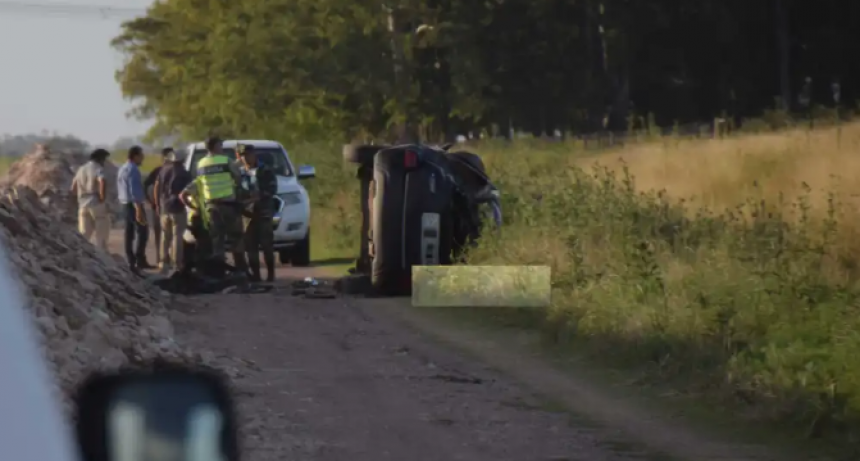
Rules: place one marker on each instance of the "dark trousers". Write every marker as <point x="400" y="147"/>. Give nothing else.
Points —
<point x="136" y="236"/>
<point x="154" y="221"/>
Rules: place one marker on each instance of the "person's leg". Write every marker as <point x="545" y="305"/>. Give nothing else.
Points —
<point x="86" y="226"/>
<point x="233" y="226"/>
<point x="166" y="221"/>
<point x="128" y="237"/>
<point x="157" y="231"/>
<point x="142" y="232"/>
<point x="179" y="223"/>
<point x="216" y="231"/>
<point x="252" y="248"/>
<point x="266" y="241"/>
<point x="101" y="218"/>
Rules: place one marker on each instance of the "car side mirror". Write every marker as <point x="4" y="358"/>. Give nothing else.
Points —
<point x="488" y="194"/>
<point x="306" y="172"/>
<point x="171" y="414"/>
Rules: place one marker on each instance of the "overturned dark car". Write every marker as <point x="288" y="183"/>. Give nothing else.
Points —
<point x="421" y="205"/>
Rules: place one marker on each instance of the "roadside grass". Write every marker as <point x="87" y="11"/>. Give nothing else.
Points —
<point x="724" y="270"/>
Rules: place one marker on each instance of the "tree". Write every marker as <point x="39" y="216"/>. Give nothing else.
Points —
<point x="310" y="69"/>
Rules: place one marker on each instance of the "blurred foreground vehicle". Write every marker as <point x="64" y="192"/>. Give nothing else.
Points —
<point x="421" y="205"/>
<point x="163" y="413"/>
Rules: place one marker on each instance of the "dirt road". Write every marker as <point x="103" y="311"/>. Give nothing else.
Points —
<point x="346" y="379"/>
<point x="340" y="381"/>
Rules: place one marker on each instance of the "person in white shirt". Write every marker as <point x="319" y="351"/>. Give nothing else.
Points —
<point x="91" y="191"/>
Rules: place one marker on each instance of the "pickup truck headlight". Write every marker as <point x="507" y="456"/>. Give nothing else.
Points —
<point x="291" y="198"/>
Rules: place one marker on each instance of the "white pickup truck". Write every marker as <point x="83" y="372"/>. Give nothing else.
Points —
<point x="292" y="205"/>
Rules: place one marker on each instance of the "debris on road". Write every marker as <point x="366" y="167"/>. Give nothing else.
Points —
<point x="313" y="288"/>
<point x="192" y="283"/>
<point x="357" y="284"/>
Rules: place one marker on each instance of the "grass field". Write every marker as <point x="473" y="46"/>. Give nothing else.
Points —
<point x="726" y="269"/>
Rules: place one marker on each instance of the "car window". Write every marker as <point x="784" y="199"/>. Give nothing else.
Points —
<point x="272" y="156"/>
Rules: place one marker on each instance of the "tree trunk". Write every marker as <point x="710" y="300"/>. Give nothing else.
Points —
<point x="784" y="52"/>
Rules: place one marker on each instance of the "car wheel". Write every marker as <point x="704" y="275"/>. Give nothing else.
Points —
<point x="301" y="252"/>
<point x="284" y="256"/>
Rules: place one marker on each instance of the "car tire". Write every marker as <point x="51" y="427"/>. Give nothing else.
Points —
<point x="284" y="256"/>
<point x="301" y="252"/>
<point x="388" y="278"/>
<point x="361" y="154"/>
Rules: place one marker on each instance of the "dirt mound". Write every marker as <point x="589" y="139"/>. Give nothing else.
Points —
<point x="92" y="312"/>
<point x="50" y="175"/>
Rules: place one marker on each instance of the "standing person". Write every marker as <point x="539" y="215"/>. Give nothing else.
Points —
<point x="215" y="186"/>
<point x="132" y="197"/>
<point x="91" y="191"/>
<point x="262" y="183"/>
<point x="173" y="178"/>
<point x="152" y="211"/>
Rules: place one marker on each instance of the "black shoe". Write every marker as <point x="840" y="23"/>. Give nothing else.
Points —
<point x="144" y="265"/>
<point x="270" y="276"/>
<point x="254" y="277"/>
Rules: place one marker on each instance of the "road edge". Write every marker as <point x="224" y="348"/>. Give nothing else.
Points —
<point x="579" y="395"/>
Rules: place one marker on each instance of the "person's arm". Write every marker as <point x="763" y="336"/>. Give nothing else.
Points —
<point x="236" y="171"/>
<point x="187" y="195"/>
<point x="102" y="187"/>
<point x="151" y="178"/>
<point x="155" y="195"/>
<point x="267" y="182"/>
<point x="137" y="194"/>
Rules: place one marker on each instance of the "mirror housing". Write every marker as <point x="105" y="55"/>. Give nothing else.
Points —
<point x="306" y="172"/>
<point x="488" y="194"/>
<point x="169" y="412"/>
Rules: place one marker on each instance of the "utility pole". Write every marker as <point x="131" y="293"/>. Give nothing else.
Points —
<point x="406" y="131"/>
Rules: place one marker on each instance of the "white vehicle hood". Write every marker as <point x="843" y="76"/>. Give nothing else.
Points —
<point x="288" y="184"/>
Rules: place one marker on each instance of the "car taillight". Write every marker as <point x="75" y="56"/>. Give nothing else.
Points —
<point x="410" y="159"/>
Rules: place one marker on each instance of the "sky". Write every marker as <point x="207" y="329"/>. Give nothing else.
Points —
<point x="57" y="68"/>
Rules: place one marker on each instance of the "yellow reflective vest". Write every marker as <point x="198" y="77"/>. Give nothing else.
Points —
<point x="214" y="179"/>
<point x="193" y="212"/>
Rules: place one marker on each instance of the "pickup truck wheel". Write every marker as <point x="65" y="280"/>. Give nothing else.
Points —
<point x="301" y="252"/>
<point x="284" y="256"/>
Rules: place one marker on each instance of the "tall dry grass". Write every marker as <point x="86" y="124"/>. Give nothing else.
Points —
<point x="726" y="267"/>
<point x="722" y="173"/>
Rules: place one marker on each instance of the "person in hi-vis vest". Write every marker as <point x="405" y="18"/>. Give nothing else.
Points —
<point x="215" y="186"/>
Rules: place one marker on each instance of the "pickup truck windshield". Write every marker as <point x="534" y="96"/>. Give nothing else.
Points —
<point x="270" y="156"/>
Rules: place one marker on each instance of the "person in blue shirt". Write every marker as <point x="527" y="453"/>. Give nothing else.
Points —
<point x="132" y="198"/>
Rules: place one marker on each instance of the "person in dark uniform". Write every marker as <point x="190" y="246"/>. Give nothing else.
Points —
<point x="260" y="183"/>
